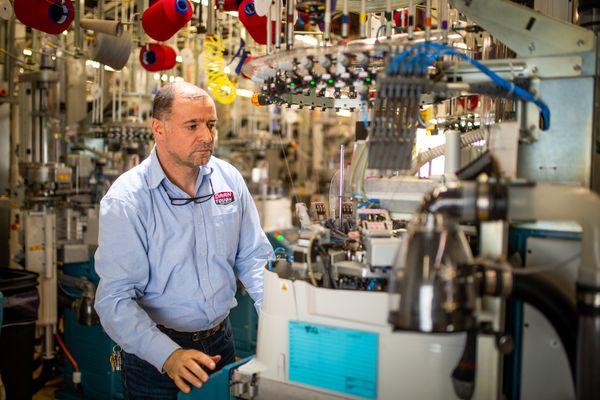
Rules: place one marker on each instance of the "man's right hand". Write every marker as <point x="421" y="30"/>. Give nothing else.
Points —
<point x="185" y="366"/>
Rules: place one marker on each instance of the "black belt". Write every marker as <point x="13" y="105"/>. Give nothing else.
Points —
<point x="193" y="336"/>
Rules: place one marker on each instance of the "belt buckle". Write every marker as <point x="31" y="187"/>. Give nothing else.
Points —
<point x="196" y="336"/>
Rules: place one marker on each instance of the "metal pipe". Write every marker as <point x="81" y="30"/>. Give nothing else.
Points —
<point x="77" y="31"/>
<point x="101" y="108"/>
<point x="48" y="342"/>
<point x="388" y="19"/>
<point x="345" y="19"/>
<point x="269" y="31"/>
<point x="3" y="39"/>
<point x="341" y="193"/>
<point x="428" y="20"/>
<point x="141" y="5"/>
<point x="114" y="102"/>
<point x="327" y="30"/>
<point x="403" y="21"/>
<point x="443" y="19"/>
<point x="278" y="24"/>
<point x="120" y="102"/>
<point x="210" y="18"/>
<point x="289" y="24"/>
<point x="362" y="19"/>
<point x="15" y="116"/>
<point x="452" y="153"/>
<point x="93" y="150"/>
<point x="42" y="130"/>
<point x="411" y="20"/>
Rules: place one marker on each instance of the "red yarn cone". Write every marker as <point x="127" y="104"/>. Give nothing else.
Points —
<point x="255" y="24"/>
<point x="157" y="57"/>
<point x="50" y="16"/>
<point x="165" y="17"/>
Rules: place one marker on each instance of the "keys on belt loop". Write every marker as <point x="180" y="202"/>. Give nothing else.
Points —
<point x="115" y="358"/>
<point x="197" y="336"/>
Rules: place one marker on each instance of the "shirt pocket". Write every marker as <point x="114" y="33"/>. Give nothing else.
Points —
<point x="227" y="230"/>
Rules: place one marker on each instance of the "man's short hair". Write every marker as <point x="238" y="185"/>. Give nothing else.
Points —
<point x="163" y="100"/>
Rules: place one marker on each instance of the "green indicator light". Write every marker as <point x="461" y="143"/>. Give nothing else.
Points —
<point x="312" y="83"/>
<point x="280" y="237"/>
<point x="292" y="84"/>
<point x="368" y="79"/>
<point x="330" y="81"/>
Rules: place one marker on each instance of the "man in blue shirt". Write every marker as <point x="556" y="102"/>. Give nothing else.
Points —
<point x="175" y="233"/>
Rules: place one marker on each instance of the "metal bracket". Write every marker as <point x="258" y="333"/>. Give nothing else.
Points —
<point x="243" y="386"/>
<point x="526" y="31"/>
<point x="312" y="100"/>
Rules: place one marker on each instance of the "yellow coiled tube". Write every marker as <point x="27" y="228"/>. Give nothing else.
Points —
<point x="212" y="60"/>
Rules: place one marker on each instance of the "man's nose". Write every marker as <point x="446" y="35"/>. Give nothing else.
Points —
<point x="204" y="134"/>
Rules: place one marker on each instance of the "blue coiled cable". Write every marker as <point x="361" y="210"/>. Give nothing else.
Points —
<point x="426" y="58"/>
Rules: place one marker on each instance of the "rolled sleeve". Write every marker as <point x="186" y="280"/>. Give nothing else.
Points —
<point x="121" y="261"/>
<point x="254" y="248"/>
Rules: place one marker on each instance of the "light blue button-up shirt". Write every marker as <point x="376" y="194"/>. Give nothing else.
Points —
<point x="175" y="266"/>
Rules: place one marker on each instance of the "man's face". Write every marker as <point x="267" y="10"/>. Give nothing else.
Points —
<point x="188" y="134"/>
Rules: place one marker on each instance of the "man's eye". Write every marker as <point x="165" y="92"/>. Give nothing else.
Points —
<point x="210" y="126"/>
<point x="192" y="127"/>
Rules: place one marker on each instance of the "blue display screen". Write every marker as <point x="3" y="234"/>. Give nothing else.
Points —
<point x="338" y="359"/>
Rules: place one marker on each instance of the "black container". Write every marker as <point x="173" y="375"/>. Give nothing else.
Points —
<point x="17" y="335"/>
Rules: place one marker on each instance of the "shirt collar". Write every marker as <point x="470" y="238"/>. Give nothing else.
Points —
<point x="156" y="174"/>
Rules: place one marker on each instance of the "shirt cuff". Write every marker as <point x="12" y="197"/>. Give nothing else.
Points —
<point x="258" y="305"/>
<point x="160" y="349"/>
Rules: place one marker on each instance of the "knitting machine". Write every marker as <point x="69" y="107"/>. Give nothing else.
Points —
<point x="405" y="288"/>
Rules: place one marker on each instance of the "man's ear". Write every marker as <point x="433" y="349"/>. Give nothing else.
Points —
<point x="158" y="128"/>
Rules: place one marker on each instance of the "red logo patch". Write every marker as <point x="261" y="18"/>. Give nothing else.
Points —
<point x="224" y="198"/>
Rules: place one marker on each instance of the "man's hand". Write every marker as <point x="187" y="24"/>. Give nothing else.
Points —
<point x="184" y="366"/>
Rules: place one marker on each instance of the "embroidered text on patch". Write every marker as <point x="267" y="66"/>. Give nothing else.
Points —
<point x="224" y="198"/>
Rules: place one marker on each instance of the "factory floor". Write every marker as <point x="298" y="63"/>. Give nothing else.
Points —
<point x="47" y="392"/>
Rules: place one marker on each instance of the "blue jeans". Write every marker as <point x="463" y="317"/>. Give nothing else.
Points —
<point x="142" y="381"/>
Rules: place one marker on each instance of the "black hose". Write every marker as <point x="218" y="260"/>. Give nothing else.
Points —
<point x="554" y="304"/>
<point x="485" y="163"/>
<point x="328" y="281"/>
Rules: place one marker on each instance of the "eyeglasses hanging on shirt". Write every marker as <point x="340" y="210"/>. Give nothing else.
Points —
<point x="182" y="201"/>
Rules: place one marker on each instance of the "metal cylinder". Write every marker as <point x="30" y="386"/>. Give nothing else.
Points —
<point x="588" y="343"/>
<point x="341" y="194"/>
<point x="289" y="24"/>
<point x="327" y="29"/>
<point x="362" y="17"/>
<point x="48" y="352"/>
<point x="452" y="152"/>
<point x="434" y="297"/>
<point x="277" y="24"/>
<point x="269" y="31"/>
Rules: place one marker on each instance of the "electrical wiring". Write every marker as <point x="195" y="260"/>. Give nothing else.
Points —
<point x="421" y="122"/>
<point x="361" y="150"/>
<point x="398" y="62"/>
<point x="67" y="352"/>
